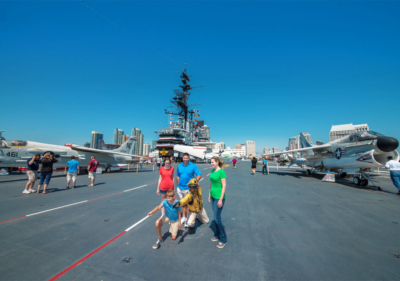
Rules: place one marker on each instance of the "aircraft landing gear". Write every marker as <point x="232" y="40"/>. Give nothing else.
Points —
<point x="108" y="170"/>
<point x="308" y="172"/>
<point x="362" y="178"/>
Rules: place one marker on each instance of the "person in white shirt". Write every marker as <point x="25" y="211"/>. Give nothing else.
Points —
<point x="394" y="168"/>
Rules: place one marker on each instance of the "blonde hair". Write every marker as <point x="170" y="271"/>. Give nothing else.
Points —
<point x="47" y="156"/>
<point x="170" y="193"/>
<point x="220" y="163"/>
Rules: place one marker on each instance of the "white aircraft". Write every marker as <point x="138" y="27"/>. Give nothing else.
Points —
<point x="16" y="153"/>
<point x="356" y="153"/>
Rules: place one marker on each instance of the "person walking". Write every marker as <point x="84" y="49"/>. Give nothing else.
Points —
<point x="73" y="171"/>
<point x="394" y="168"/>
<point x="93" y="164"/>
<point x="185" y="172"/>
<point x="32" y="173"/>
<point x="254" y="164"/>
<point x="265" y="163"/>
<point x="158" y="161"/>
<point x="217" y="199"/>
<point x="166" y="180"/>
<point x="234" y="161"/>
<point x="46" y="171"/>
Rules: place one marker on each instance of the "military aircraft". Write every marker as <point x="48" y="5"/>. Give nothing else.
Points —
<point x="16" y="153"/>
<point x="356" y="153"/>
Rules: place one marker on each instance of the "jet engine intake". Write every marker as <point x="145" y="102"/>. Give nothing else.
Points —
<point x="381" y="158"/>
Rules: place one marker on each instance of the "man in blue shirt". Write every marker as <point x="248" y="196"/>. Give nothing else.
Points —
<point x="32" y="172"/>
<point x="185" y="172"/>
<point x="73" y="170"/>
<point x="265" y="163"/>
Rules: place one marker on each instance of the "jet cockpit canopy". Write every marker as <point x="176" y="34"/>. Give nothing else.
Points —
<point x="364" y="136"/>
<point x="14" y="143"/>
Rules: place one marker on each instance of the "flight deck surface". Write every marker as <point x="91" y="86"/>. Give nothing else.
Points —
<point x="284" y="226"/>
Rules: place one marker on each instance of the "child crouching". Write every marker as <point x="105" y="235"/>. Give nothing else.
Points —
<point x="195" y="202"/>
<point x="171" y="215"/>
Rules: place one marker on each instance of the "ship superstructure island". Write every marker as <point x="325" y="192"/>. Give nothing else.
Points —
<point x="184" y="129"/>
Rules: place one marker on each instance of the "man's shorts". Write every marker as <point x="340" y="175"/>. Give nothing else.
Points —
<point x="158" y="164"/>
<point x="71" y="175"/>
<point x="182" y="193"/>
<point x="32" y="175"/>
<point x="92" y="175"/>
<point x="173" y="227"/>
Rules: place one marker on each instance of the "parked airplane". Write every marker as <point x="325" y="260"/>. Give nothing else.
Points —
<point x="356" y="153"/>
<point x="16" y="153"/>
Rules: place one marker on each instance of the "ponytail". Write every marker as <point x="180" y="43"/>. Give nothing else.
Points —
<point x="220" y="162"/>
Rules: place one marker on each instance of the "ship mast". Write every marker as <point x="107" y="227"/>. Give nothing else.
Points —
<point x="181" y="107"/>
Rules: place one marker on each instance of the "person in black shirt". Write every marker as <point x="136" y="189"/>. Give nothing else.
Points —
<point x="254" y="164"/>
<point x="46" y="171"/>
<point x="32" y="172"/>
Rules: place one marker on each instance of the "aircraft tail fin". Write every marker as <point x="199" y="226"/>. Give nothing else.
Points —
<point x="305" y="143"/>
<point x="126" y="147"/>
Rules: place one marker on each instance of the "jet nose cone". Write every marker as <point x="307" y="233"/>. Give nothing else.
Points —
<point x="387" y="144"/>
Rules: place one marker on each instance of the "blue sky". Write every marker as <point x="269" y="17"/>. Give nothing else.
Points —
<point x="269" y="69"/>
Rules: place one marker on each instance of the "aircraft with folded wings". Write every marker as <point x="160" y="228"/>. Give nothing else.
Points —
<point x="16" y="153"/>
<point x="356" y="153"/>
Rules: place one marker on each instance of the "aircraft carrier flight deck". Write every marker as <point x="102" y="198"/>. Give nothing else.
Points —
<point x="281" y="226"/>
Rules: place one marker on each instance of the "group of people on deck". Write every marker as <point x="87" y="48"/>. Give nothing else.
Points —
<point x="46" y="172"/>
<point x="190" y="204"/>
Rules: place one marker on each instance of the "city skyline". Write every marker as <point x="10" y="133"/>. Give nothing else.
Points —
<point x="303" y="51"/>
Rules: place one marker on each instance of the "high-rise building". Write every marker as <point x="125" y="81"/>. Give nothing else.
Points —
<point x="118" y="136"/>
<point x="146" y="149"/>
<point x="266" y="150"/>
<point x="308" y="137"/>
<point x="250" y="148"/>
<point x="292" y="143"/>
<point x="154" y="144"/>
<point x="124" y="138"/>
<point x="238" y="146"/>
<point x="140" y="144"/>
<point x="87" y="144"/>
<point x="97" y="140"/>
<point x="137" y="133"/>
<point x="340" y="131"/>
<point x="275" y="150"/>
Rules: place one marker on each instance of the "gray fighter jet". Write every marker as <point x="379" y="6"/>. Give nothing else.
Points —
<point x="354" y="154"/>
<point x="16" y="153"/>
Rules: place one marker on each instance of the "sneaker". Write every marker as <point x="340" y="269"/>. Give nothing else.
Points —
<point x="26" y="192"/>
<point x="220" y="245"/>
<point x="183" y="220"/>
<point x="31" y="190"/>
<point x="186" y="225"/>
<point x="157" y="245"/>
<point x="213" y="239"/>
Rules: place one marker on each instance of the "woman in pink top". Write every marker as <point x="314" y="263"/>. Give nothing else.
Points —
<point x="166" y="180"/>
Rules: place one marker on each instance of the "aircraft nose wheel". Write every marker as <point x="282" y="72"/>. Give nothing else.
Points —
<point x="108" y="170"/>
<point x="356" y="180"/>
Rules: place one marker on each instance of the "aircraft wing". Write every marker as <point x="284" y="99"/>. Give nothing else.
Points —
<point x="313" y="148"/>
<point x="109" y="152"/>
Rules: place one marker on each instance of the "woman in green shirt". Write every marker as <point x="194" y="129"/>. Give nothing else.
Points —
<point x="217" y="199"/>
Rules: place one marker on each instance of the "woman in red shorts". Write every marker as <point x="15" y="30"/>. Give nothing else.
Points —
<point x="166" y="180"/>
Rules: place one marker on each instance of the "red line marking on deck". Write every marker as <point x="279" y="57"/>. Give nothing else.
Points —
<point x="95" y="251"/>
<point x="85" y="257"/>
<point x="13" y="219"/>
<point x="104" y="196"/>
<point x="45" y="211"/>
